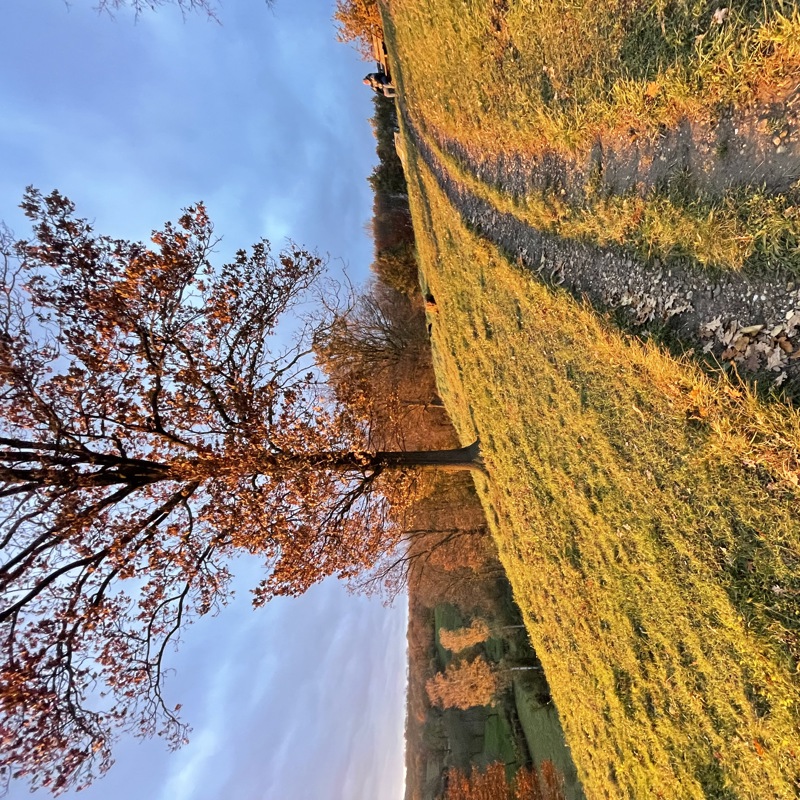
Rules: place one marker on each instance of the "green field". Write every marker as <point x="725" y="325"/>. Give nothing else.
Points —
<point x="498" y="743"/>
<point x="545" y="736"/>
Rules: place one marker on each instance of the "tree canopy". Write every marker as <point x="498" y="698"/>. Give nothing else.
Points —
<point x="464" y="684"/>
<point x="357" y="21"/>
<point x="152" y="425"/>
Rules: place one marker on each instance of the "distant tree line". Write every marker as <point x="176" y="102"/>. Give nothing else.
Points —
<point x="395" y="261"/>
<point x="493" y="784"/>
<point x="378" y="361"/>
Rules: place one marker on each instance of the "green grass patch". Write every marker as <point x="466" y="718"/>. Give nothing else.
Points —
<point x="544" y="735"/>
<point x="495" y="648"/>
<point x="445" y="616"/>
<point x="647" y="517"/>
<point x="498" y="742"/>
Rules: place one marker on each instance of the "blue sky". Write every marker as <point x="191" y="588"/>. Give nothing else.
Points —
<point x="265" y="119"/>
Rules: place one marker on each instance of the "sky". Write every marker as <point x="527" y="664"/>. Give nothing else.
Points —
<point x="264" y="118"/>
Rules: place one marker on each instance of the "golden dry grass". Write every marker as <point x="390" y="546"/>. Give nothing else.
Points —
<point x="513" y="76"/>
<point x="647" y="518"/>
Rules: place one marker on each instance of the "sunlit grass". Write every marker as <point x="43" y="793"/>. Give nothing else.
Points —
<point x="739" y="229"/>
<point x="510" y="76"/>
<point x="647" y="516"/>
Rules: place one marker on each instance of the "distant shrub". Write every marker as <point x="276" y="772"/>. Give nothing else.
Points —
<point x="462" y="638"/>
<point x="397" y="267"/>
<point x="493" y="784"/>
<point x="464" y="684"/>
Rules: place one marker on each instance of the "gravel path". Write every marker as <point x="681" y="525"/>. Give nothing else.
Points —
<point x="753" y="320"/>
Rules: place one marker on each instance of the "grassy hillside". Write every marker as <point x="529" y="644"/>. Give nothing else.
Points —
<point x="669" y="128"/>
<point x="513" y="76"/>
<point x="646" y="516"/>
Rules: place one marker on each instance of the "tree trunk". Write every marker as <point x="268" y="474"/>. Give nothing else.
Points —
<point x="456" y="460"/>
<point x="78" y="469"/>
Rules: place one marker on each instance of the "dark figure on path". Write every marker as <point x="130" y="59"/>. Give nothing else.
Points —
<point x="380" y="82"/>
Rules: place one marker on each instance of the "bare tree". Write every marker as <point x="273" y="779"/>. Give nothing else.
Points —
<point x="208" y="7"/>
<point x="377" y="359"/>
